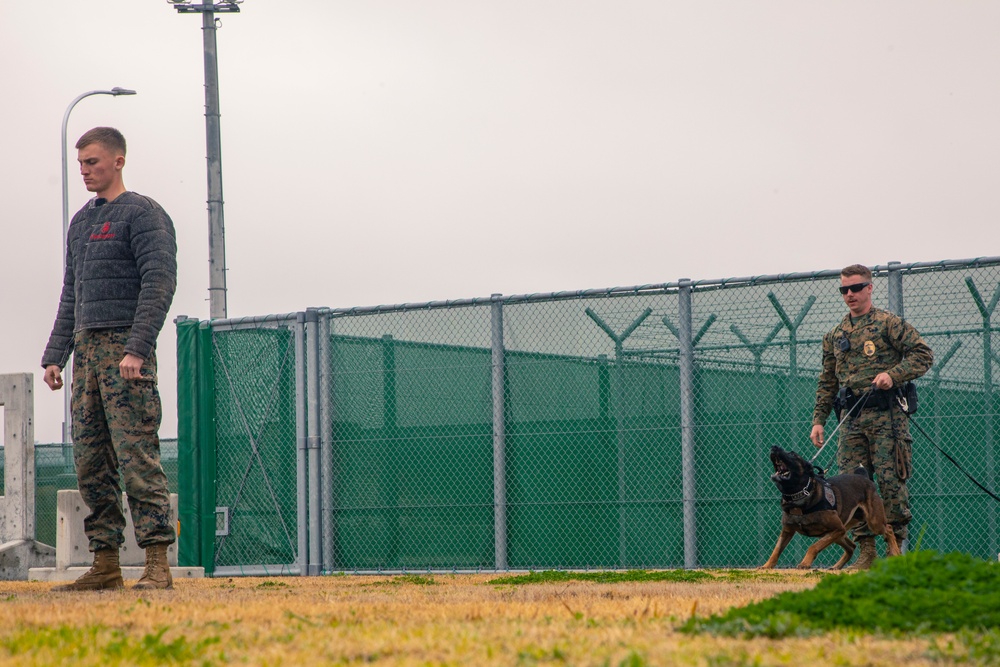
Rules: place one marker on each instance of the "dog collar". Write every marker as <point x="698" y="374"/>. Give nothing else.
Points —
<point x="799" y="495"/>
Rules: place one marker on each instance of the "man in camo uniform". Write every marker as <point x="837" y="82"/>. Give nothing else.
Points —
<point x="121" y="273"/>
<point x="872" y="353"/>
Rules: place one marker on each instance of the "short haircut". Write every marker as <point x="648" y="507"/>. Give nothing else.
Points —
<point x="109" y="137"/>
<point x="857" y="270"/>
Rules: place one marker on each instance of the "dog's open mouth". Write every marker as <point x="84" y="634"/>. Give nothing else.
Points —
<point x="781" y="471"/>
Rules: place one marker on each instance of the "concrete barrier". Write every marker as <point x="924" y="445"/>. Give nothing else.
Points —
<point x="73" y="555"/>
<point x="21" y="556"/>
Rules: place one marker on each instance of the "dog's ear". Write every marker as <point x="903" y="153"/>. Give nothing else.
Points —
<point x="800" y="461"/>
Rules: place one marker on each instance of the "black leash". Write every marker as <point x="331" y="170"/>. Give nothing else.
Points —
<point x="953" y="461"/>
<point x="905" y="410"/>
<point x="859" y="406"/>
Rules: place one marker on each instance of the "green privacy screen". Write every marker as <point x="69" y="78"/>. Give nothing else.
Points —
<point x="414" y="470"/>
<point x="414" y="465"/>
<point x="615" y="428"/>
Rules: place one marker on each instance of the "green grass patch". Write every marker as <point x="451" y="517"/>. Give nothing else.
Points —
<point x="977" y="648"/>
<point x="923" y="591"/>
<point x="609" y="577"/>
<point x="756" y="576"/>
<point x="66" y="644"/>
<point x="402" y="579"/>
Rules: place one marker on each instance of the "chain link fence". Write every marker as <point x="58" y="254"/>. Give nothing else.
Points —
<point x="619" y="428"/>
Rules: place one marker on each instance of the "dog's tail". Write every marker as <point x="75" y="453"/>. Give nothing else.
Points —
<point x="861" y="470"/>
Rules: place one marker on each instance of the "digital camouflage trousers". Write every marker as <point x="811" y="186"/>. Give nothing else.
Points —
<point x="115" y="424"/>
<point x="880" y="441"/>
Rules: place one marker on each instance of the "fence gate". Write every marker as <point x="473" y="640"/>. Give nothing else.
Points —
<point x="246" y="408"/>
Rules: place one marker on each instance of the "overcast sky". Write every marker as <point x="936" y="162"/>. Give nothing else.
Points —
<point x="386" y="151"/>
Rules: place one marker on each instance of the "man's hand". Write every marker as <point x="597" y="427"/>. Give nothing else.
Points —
<point x="130" y="367"/>
<point x="882" y="381"/>
<point x="817" y="435"/>
<point x="53" y="377"/>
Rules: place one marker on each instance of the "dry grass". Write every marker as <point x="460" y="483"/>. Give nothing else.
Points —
<point x="435" y="620"/>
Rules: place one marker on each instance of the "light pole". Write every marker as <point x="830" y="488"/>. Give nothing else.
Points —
<point x="213" y="140"/>
<point x="68" y="371"/>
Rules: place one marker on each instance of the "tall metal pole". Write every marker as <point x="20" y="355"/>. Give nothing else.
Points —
<point x="499" y="436"/>
<point x="686" y="369"/>
<point x="68" y="371"/>
<point x="313" y="442"/>
<point x="213" y="140"/>
<point x="302" y="451"/>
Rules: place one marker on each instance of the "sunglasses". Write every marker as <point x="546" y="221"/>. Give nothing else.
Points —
<point x="857" y="287"/>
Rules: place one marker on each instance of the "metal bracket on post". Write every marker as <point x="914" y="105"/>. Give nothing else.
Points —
<point x="224" y="530"/>
<point x="792" y="327"/>
<point x="793" y="354"/>
<point x="698" y="336"/>
<point x="619" y="393"/>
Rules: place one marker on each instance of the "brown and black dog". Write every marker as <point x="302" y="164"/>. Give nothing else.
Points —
<point x="825" y="508"/>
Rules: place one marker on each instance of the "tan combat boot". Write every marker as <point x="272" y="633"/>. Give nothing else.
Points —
<point x="105" y="574"/>
<point x="867" y="556"/>
<point x="157" y="572"/>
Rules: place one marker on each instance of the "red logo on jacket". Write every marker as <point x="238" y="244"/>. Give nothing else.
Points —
<point x="104" y="234"/>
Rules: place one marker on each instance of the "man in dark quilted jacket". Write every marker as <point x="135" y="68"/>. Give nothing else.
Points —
<point x="121" y="273"/>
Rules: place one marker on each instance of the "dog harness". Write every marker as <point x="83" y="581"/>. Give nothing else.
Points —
<point x="828" y="500"/>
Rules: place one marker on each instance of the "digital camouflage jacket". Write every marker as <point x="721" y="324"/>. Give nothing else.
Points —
<point x="878" y="341"/>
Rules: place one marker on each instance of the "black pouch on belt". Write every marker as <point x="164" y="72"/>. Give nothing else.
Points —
<point x="840" y="402"/>
<point x="881" y="399"/>
<point x="908" y="393"/>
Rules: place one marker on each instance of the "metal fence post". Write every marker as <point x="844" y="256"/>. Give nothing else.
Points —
<point x="326" y="439"/>
<point x="931" y="403"/>
<point x="313" y="439"/>
<point x="986" y="311"/>
<point x="301" y="486"/>
<point x="499" y="437"/>
<point x="686" y="368"/>
<point x="394" y="450"/>
<point x="895" y="288"/>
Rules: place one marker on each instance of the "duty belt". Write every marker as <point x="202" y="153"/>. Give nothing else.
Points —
<point x="873" y="399"/>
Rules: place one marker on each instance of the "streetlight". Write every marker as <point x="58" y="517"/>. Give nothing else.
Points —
<point x="68" y="372"/>
<point x="213" y="141"/>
